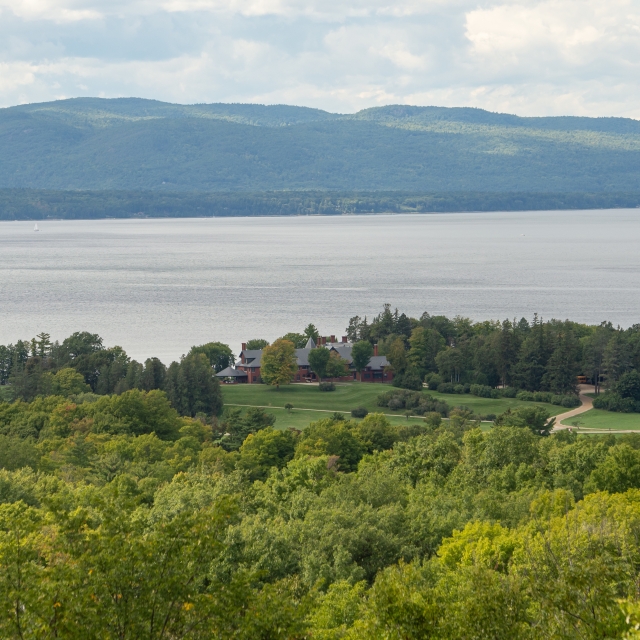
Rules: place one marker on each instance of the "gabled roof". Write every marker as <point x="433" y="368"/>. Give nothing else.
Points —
<point x="310" y="344"/>
<point x="252" y="358"/>
<point x="302" y="356"/>
<point x="343" y="349"/>
<point x="230" y="372"/>
<point x="378" y="362"/>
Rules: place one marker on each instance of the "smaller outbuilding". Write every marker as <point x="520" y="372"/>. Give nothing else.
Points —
<point x="232" y="375"/>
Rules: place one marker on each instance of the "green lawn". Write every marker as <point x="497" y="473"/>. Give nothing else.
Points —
<point x="485" y="406"/>
<point x="346" y="397"/>
<point x="600" y="419"/>
<point x="299" y="418"/>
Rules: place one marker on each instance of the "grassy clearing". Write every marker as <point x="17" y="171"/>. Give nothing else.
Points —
<point x="300" y="419"/>
<point x="349" y="396"/>
<point x="599" y="419"/>
<point x="485" y="406"/>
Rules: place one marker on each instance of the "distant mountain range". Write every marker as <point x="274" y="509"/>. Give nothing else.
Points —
<point x="145" y="145"/>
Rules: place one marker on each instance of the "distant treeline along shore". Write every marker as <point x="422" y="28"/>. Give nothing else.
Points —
<point x="36" y="204"/>
<point x="538" y="360"/>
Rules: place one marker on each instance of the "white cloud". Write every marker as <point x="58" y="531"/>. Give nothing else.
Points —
<point x="54" y="10"/>
<point x="532" y="57"/>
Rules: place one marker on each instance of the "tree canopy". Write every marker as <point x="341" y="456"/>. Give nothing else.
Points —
<point x="279" y="364"/>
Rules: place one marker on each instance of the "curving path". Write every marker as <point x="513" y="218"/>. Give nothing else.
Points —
<point x="587" y="403"/>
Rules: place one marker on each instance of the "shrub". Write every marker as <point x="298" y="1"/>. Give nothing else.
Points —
<point x="359" y="412"/>
<point x="433" y="380"/>
<point x="408" y="380"/>
<point x="611" y="401"/>
<point x="327" y="386"/>
<point x="508" y="392"/>
<point x="483" y="391"/>
<point x="629" y="385"/>
<point x="568" y="401"/>
<point x="446" y="387"/>
<point x="419" y="402"/>
<point x="458" y="388"/>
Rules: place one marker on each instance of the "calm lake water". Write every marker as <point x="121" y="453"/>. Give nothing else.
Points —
<point x="156" y="287"/>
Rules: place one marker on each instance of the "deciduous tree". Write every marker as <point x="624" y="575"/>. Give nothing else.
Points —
<point x="279" y="364"/>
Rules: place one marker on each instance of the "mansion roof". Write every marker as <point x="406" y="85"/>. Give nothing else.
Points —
<point x="253" y="357"/>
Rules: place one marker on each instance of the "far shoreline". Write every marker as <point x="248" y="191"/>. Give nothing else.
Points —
<point x="37" y="205"/>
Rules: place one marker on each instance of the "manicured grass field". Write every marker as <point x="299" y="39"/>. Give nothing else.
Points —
<point x="301" y="418"/>
<point x="349" y="396"/>
<point x="599" y="419"/>
<point x="485" y="406"/>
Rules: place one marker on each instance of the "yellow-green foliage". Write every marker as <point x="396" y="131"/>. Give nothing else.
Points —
<point x="120" y="519"/>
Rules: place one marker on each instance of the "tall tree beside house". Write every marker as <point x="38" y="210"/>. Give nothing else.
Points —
<point x="278" y="365"/>
<point x="220" y="355"/>
<point x="311" y="332"/>
<point x="318" y="361"/>
<point x="192" y="387"/>
<point x="337" y="367"/>
<point x="361" y="353"/>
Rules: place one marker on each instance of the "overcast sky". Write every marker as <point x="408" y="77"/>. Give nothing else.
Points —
<point x="576" y="57"/>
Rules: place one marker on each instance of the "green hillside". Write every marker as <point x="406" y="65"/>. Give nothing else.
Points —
<point x="145" y="145"/>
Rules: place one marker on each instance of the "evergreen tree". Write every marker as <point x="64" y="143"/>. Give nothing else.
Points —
<point x="563" y="368"/>
<point x="192" y="387"/>
<point x="532" y="361"/>
<point x="616" y="358"/>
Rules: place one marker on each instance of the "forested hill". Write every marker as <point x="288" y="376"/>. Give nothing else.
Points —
<point x="145" y="145"/>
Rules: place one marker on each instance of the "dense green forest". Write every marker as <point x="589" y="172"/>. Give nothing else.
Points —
<point x="134" y="505"/>
<point x="37" y="204"/>
<point x="144" y="145"/>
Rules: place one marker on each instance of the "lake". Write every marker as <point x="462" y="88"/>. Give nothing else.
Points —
<point x="156" y="287"/>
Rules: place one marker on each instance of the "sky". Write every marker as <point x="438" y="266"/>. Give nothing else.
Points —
<point x="550" y="57"/>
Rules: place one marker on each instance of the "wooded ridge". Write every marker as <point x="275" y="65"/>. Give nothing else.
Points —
<point x="145" y="145"/>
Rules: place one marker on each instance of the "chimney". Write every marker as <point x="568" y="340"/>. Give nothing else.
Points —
<point x="244" y="346"/>
<point x="324" y="340"/>
<point x="375" y="349"/>
<point x="333" y="339"/>
<point x="344" y="338"/>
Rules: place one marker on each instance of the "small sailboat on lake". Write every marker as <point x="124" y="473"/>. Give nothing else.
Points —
<point x="35" y="228"/>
